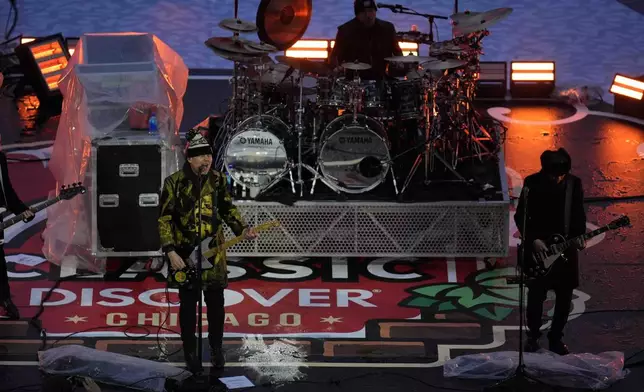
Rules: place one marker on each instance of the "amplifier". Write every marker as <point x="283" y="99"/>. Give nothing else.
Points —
<point x="127" y="175"/>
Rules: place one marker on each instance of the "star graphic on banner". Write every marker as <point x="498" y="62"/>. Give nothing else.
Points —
<point x="330" y="320"/>
<point x="76" y="319"/>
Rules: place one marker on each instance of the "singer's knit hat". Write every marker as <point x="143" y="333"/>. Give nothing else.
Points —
<point x="361" y="5"/>
<point x="197" y="144"/>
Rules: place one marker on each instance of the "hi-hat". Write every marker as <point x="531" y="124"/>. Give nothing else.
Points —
<point x="409" y="59"/>
<point x="238" y="25"/>
<point x="356" y="66"/>
<point x="465" y="23"/>
<point x="439" y="65"/>
<point x="304" y="65"/>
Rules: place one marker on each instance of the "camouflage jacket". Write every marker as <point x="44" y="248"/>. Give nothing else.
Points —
<point x="178" y="218"/>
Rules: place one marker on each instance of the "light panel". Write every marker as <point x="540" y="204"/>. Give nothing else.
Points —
<point x="532" y="71"/>
<point x="320" y="49"/>
<point x="628" y="87"/>
<point x="26" y="40"/>
<point x="43" y="61"/>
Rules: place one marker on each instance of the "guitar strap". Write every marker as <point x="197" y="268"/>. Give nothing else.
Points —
<point x="567" y="206"/>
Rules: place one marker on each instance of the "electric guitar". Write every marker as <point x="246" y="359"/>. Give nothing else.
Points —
<point x="66" y="193"/>
<point x="188" y="274"/>
<point x="207" y="252"/>
<point x="540" y="264"/>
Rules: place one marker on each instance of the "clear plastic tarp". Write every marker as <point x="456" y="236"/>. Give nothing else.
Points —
<point x="584" y="371"/>
<point x="110" y="368"/>
<point x="112" y="84"/>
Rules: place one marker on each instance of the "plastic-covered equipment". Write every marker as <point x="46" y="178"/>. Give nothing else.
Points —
<point x="586" y="371"/>
<point x="109" y="368"/>
<point x="111" y="79"/>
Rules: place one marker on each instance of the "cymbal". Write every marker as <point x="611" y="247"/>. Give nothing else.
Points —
<point x="229" y="44"/>
<point x="409" y="59"/>
<point x="465" y="23"/>
<point x="260" y="46"/>
<point x="439" y="65"/>
<point x="356" y="66"/>
<point x="238" y="25"/>
<point x="282" y="23"/>
<point x="304" y="65"/>
<point x="274" y="74"/>
<point x="446" y="47"/>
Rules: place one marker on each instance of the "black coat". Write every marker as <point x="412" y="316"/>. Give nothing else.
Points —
<point x="545" y="217"/>
<point x="8" y="199"/>
<point x="370" y="45"/>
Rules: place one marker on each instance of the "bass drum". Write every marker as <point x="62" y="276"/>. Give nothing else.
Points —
<point x="255" y="155"/>
<point x="354" y="156"/>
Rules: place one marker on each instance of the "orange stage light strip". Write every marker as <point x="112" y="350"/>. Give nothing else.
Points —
<point x="320" y="49"/>
<point x="26" y="40"/>
<point x="533" y="71"/>
<point x="623" y="85"/>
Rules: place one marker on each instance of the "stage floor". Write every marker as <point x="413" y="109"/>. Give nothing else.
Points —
<point x="370" y="324"/>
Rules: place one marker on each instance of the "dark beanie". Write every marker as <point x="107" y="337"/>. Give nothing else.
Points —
<point x="361" y="5"/>
<point x="197" y="144"/>
<point x="556" y="162"/>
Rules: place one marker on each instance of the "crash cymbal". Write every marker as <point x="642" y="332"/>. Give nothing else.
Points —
<point x="439" y="65"/>
<point x="304" y="65"/>
<point x="446" y="47"/>
<point x="238" y="25"/>
<point x="253" y="58"/>
<point x="465" y="23"/>
<point x="356" y="66"/>
<point x="409" y="59"/>
<point x="282" y="23"/>
<point x="228" y="44"/>
<point x="261" y="46"/>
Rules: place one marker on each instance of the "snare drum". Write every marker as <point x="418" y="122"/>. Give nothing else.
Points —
<point x="334" y="93"/>
<point x="407" y="99"/>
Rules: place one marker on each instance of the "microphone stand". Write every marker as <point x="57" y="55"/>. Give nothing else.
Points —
<point x="520" y="380"/>
<point x="430" y="18"/>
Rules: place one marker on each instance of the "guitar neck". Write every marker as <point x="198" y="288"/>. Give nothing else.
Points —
<point x="234" y="241"/>
<point x="585" y="236"/>
<point x="36" y="209"/>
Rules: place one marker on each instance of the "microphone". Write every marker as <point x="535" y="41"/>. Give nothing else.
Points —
<point x="393" y="7"/>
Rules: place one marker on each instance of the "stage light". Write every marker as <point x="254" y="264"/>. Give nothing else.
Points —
<point x="629" y="94"/>
<point x="71" y="43"/>
<point x="43" y="61"/>
<point x="492" y="80"/>
<point x="314" y="49"/>
<point x="532" y="79"/>
<point x="408" y="48"/>
<point x="26" y="40"/>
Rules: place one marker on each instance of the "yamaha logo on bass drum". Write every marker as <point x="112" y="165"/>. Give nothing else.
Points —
<point x="257" y="141"/>
<point x="356" y="140"/>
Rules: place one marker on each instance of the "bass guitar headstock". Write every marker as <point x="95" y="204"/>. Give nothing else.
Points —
<point x="619" y="222"/>
<point x="70" y="191"/>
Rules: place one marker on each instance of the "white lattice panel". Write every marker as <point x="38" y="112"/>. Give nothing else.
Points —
<point x="444" y="229"/>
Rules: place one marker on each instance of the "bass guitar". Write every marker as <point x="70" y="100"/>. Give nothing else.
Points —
<point x="540" y="264"/>
<point x="66" y="193"/>
<point x="186" y="275"/>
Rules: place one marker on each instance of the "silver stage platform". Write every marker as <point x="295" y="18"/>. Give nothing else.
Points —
<point x="377" y="229"/>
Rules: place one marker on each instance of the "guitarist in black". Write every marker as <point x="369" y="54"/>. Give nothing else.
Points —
<point x="548" y="192"/>
<point x="8" y="200"/>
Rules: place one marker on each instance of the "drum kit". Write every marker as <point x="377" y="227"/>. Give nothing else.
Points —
<point x="342" y="131"/>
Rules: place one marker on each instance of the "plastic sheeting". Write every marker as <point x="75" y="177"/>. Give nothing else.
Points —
<point x="109" y="368"/>
<point x="587" y="371"/>
<point x="98" y="102"/>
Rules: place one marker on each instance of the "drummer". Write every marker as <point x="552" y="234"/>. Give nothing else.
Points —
<point x="365" y="39"/>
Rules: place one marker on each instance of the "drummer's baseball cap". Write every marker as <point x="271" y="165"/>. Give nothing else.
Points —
<point x="362" y="5"/>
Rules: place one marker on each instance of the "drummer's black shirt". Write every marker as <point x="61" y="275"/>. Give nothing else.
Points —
<point x="371" y="45"/>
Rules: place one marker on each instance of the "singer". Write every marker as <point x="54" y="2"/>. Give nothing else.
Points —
<point x="179" y="236"/>
<point x="365" y="39"/>
<point x="547" y="205"/>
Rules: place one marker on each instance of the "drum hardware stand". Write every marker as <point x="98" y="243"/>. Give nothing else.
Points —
<point x="430" y="19"/>
<point x="429" y="154"/>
